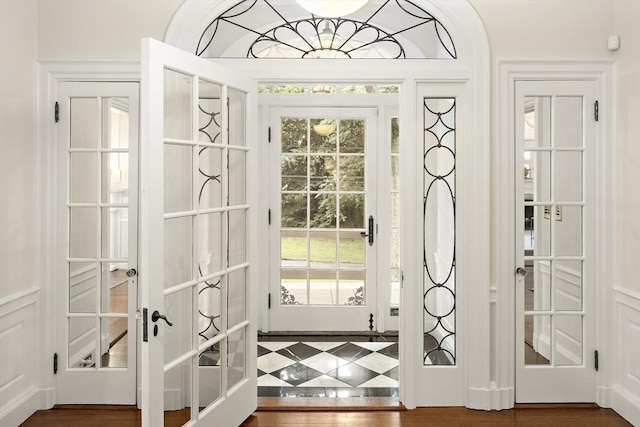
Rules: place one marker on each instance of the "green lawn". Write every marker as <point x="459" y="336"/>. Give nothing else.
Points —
<point x="323" y="250"/>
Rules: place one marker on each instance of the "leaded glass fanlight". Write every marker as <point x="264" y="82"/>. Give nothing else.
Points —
<point x="397" y="29"/>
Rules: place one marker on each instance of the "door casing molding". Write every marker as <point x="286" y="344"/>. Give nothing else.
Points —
<point x="49" y="75"/>
<point x="503" y="219"/>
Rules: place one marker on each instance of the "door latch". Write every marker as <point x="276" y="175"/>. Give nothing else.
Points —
<point x="370" y="233"/>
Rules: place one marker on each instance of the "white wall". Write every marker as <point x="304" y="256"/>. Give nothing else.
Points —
<point x="18" y="52"/>
<point x="626" y="217"/>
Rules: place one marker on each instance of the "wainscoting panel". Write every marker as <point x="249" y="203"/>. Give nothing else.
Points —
<point x="19" y="394"/>
<point x="626" y="385"/>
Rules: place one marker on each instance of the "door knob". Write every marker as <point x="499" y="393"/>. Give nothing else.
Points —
<point x="155" y="316"/>
<point x="132" y="272"/>
<point x="521" y="271"/>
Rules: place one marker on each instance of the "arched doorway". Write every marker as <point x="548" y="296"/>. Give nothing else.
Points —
<point x="456" y="74"/>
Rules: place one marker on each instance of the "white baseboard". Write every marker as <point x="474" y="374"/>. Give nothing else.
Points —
<point x="626" y="404"/>
<point x="19" y="409"/>
<point x="493" y="399"/>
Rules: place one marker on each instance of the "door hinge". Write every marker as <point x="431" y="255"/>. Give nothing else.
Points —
<point x="269" y="216"/>
<point x="596" y="360"/>
<point x="269" y="301"/>
<point x="56" y="112"/>
<point x="269" y="134"/>
<point x="55" y="363"/>
<point x="596" y="111"/>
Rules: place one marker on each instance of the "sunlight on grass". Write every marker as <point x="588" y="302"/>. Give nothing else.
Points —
<point x="323" y="250"/>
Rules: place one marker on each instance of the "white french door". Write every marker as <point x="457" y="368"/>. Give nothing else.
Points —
<point x="199" y="335"/>
<point x="554" y="169"/>
<point x="97" y="292"/>
<point x="323" y="219"/>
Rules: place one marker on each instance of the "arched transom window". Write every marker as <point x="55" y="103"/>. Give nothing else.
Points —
<point x="395" y="29"/>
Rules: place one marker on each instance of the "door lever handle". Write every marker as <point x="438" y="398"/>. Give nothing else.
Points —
<point x="371" y="233"/>
<point x="157" y="316"/>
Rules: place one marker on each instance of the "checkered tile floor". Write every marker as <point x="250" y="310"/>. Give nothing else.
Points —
<point x="327" y="368"/>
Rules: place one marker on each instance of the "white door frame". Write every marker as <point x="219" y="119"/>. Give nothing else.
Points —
<point x="386" y="106"/>
<point x="503" y="262"/>
<point x="49" y="75"/>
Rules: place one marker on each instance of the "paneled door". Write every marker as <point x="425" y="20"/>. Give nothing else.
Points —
<point x="324" y="225"/>
<point x="555" y="133"/>
<point x="199" y="336"/>
<point x="97" y="296"/>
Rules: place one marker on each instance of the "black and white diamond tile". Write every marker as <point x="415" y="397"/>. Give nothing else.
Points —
<point x="325" y="365"/>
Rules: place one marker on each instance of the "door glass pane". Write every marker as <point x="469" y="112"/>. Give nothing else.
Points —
<point x="209" y="376"/>
<point x="115" y="343"/>
<point x="115" y="177"/>
<point x="293" y="287"/>
<point x="538" y="230"/>
<point x="210" y="177"/>
<point x="568" y="340"/>
<point x="83" y="232"/>
<point x="294" y="210"/>
<point x="537" y="340"/>
<point x="322" y="211"/>
<point x="568" y="230"/>
<point x="352" y="211"/>
<point x="236" y="298"/>
<point x="322" y="249"/>
<point x="118" y="119"/>
<point x="83" y="350"/>
<point x="537" y="285"/>
<point x="115" y="289"/>
<point x="237" y="237"/>
<point x="178" y="178"/>
<point x="568" y="176"/>
<point x="294" y="172"/>
<point x="352" y="138"/>
<point x="293" y="248"/>
<point x="84" y="178"/>
<point x="83" y="285"/>
<point x="323" y="172"/>
<point x="211" y="252"/>
<point x="293" y="135"/>
<point x="352" y="249"/>
<point x="537" y="176"/>
<point x="439" y="227"/>
<point x="568" y="284"/>
<point x="537" y="121"/>
<point x="351" y="287"/>
<point x="236" y="358"/>
<point x="323" y="287"/>
<point x="115" y="235"/>
<point x="352" y="173"/>
<point x="237" y="116"/>
<point x="209" y="310"/>
<point x="178" y="96"/>
<point x="209" y="112"/>
<point x="237" y="175"/>
<point x="178" y="263"/>
<point x="85" y="118"/>
<point x="178" y="411"/>
<point x="322" y="136"/>
<point x="567" y="113"/>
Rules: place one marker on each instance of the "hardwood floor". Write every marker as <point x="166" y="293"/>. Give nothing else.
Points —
<point x="528" y="416"/>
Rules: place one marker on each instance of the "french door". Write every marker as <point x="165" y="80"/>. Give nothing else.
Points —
<point x="324" y="226"/>
<point x="97" y="292"/>
<point x="199" y="336"/>
<point x="555" y="157"/>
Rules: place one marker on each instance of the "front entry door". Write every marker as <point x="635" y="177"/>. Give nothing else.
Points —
<point x="97" y="296"/>
<point x="199" y="335"/>
<point x="555" y="156"/>
<point x="323" y="222"/>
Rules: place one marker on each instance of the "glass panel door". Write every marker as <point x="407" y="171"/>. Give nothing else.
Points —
<point x="200" y="341"/>
<point x="325" y="220"/>
<point x="97" y="326"/>
<point x="554" y="208"/>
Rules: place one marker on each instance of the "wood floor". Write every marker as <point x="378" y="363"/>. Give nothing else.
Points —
<point x="528" y="416"/>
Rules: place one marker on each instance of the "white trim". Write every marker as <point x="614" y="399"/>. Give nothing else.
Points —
<point x="18" y="301"/>
<point x="503" y="263"/>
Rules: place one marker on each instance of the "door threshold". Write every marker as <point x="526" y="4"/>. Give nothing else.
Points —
<point x="302" y="404"/>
